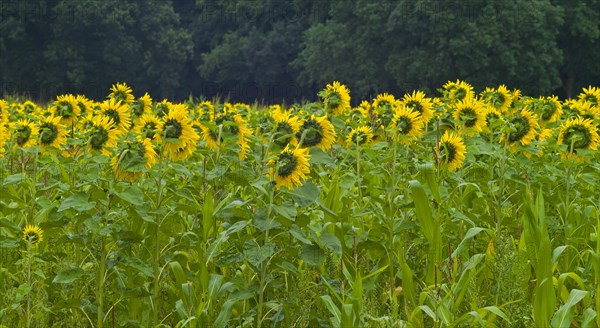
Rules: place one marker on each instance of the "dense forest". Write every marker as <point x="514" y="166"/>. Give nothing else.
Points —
<point x="282" y="51"/>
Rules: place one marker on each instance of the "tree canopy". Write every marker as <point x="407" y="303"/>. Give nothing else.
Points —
<point x="278" y="51"/>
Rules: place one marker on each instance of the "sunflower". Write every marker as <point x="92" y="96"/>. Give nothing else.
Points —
<point x="101" y="134"/>
<point x="128" y="163"/>
<point x="361" y="113"/>
<point x="286" y="128"/>
<point x="521" y="128"/>
<point x="147" y="127"/>
<point x="118" y="113"/>
<point x="384" y="107"/>
<point x="3" y="138"/>
<point x="591" y="95"/>
<point x="585" y="109"/>
<point x="457" y="91"/>
<point x="549" y="109"/>
<point x="65" y="107"/>
<point x="52" y="134"/>
<point x="3" y="112"/>
<point x="121" y="92"/>
<point x="451" y="151"/>
<point x="336" y="98"/>
<point x="162" y="108"/>
<point x="316" y="131"/>
<point x="85" y="105"/>
<point x="578" y="134"/>
<point x="491" y="116"/>
<point x="470" y="114"/>
<point x="407" y="125"/>
<point x="243" y="132"/>
<point x="179" y="135"/>
<point x="29" y="108"/>
<point x="500" y="99"/>
<point x="206" y="111"/>
<point x="541" y="137"/>
<point x="290" y="167"/>
<point x="33" y="235"/>
<point x="24" y="134"/>
<point x="362" y="135"/>
<point x="417" y="102"/>
<point x="140" y="107"/>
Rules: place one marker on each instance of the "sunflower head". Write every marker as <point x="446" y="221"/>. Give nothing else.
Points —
<point x="548" y="109"/>
<point x="500" y="99"/>
<point x="290" y="167"/>
<point x="118" y="113"/>
<point x="206" y="111"/>
<point x="521" y="128"/>
<point x="362" y="135"/>
<point x="24" y="134"/>
<point x="591" y="95"/>
<point x="101" y="134"/>
<point x="336" y="98"/>
<point x="578" y="134"/>
<point x="417" y="102"/>
<point x="33" y="235"/>
<point x="316" y="131"/>
<point x="407" y="125"/>
<point x="52" y="133"/>
<point x="67" y="108"/>
<point x="141" y="106"/>
<point x="384" y="106"/>
<point x="470" y="114"/>
<point x="121" y="92"/>
<point x="132" y="158"/>
<point x="179" y="136"/>
<point x="457" y="91"/>
<point x="451" y="151"/>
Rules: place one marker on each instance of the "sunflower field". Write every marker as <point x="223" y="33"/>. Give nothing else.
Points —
<point x="457" y="209"/>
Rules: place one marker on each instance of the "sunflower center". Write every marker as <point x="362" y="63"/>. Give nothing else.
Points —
<point x="138" y="108"/>
<point x="120" y="96"/>
<point x="460" y="93"/>
<point x="114" y="115"/>
<point x="498" y="99"/>
<point x="173" y="129"/>
<point x="577" y="135"/>
<point x="283" y="134"/>
<point x="468" y="117"/>
<point x="48" y="133"/>
<point x="519" y="128"/>
<point x="415" y="105"/>
<point x="404" y="125"/>
<point x="359" y="138"/>
<point x="98" y="138"/>
<point x="23" y="135"/>
<point x="286" y="164"/>
<point x="548" y="109"/>
<point x="313" y="134"/>
<point x="447" y="152"/>
<point x="32" y="237"/>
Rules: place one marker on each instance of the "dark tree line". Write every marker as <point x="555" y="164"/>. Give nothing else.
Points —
<point x="278" y="50"/>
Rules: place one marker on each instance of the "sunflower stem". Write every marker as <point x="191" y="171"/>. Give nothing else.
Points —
<point x="264" y="264"/>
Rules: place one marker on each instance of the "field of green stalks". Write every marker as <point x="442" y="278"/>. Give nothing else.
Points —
<point x="455" y="209"/>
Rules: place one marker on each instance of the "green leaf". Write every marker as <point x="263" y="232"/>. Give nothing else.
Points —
<point x="287" y="211"/>
<point x="256" y="254"/>
<point x="12" y="179"/>
<point x="78" y="202"/>
<point x="131" y="194"/>
<point x="306" y="194"/>
<point x="331" y="241"/>
<point x="67" y="276"/>
<point x="312" y="255"/>
<point x="564" y="315"/>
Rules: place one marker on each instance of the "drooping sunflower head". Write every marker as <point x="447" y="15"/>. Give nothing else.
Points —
<point x="470" y="114"/>
<point x="548" y="109"/>
<point x="162" y="108"/>
<point x="206" y="111"/>
<point x="52" y="133"/>
<point x="585" y="109"/>
<point x="491" y="117"/>
<point x="500" y="99"/>
<point x="457" y="91"/>
<point x="179" y="137"/>
<point x="118" y="113"/>
<point x="336" y="98"/>
<point x="290" y="167"/>
<point x="591" y="95"/>
<point x="3" y="112"/>
<point x="521" y="128"/>
<point x="362" y="113"/>
<point x="407" y="125"/>
<point x="577" y="134"/>
<point x="129" y="162"/>
<point x="451" y="151"/>
<point x="24" y="134"/>
<point x="33" y="235"/>
<point x="417" y="102"/>
<point x="384" y="106"/>
<point x="4" y="136"/>
<point x="67" y="108"/>
<point x="286" y="126"/>
<point x="101" y="134"/>
<point x="362" y="135"/>
<point x="140" y="107"/>
<point x="121" y="92"/>
<point x="147" y="127"/>
<point x="28" y="109"/>
<point x="316" y="131"/>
